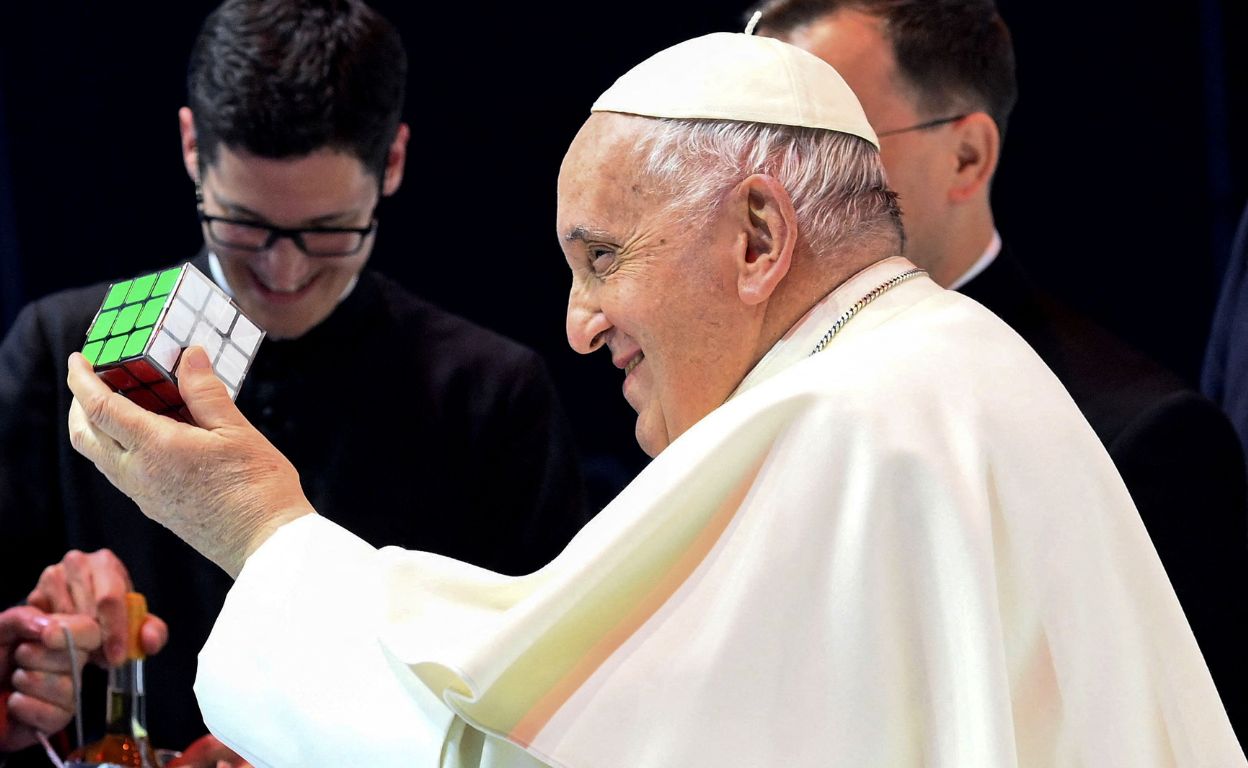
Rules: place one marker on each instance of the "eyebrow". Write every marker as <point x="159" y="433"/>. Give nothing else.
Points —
<point x="235" y="208"/>
<point x="584" y="234"/>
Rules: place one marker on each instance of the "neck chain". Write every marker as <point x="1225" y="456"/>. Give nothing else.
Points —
<point x="875" y="293"/>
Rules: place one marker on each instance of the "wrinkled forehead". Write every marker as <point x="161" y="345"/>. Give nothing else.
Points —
<point x="606" y="142"/>
<point x="603" y="168"/>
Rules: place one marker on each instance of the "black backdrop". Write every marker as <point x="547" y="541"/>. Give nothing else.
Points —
<point x="1123" y="174"/>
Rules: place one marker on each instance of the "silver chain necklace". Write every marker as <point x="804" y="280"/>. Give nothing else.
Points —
<point x="875" y="293"/>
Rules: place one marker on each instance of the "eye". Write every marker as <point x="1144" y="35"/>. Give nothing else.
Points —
<point x="601" y="259"/>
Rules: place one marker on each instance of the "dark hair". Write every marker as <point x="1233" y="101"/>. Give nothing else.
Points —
<point x="284" y="78"/>
<point x="956" y="53"/>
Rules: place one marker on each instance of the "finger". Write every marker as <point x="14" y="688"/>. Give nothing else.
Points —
<point x="37" y="657"/>
<point x="21" y="622"/>
<point x="51" y="593"/>
<point x="55" y="688"/>
<point x="36" y="713"/>
<point x="205" y="395"/>
<point x="84" y="631"/>
<point x="111" y="413"/>
<point x="86" y="438"/>
<point x="153" y="635"/>
<point x="108" y="581"/>
<point x="80" y="582"/>
<point x="204" y="752"/>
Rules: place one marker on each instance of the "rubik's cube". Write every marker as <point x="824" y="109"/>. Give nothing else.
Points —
<point x="144" y="324"/>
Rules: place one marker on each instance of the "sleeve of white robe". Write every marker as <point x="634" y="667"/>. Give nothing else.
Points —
<point x="294" y="674"/>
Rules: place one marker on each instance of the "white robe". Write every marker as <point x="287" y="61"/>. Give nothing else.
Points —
<point x="906" y="550"/>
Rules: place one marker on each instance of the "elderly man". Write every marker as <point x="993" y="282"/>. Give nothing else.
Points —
<point x="876" y="530"/>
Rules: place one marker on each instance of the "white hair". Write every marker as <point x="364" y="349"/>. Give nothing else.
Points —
<point x="835" y="180"/>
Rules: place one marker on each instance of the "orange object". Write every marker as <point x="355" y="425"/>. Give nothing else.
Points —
<point x="136" y="614"/>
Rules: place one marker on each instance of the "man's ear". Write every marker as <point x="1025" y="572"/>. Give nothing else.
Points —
<point x="977" y="144"/>
<point x="395" y="159"/>
<point x="190" y="147"/>
<point x="770" y="226"/>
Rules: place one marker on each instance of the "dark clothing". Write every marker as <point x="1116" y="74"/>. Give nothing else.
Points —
<point x="1176" y="452"/>
<point x="408" y="425"/>
<point x="1225" y="375"/>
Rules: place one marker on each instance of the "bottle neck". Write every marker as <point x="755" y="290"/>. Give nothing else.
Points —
<point x="126" y="712"/>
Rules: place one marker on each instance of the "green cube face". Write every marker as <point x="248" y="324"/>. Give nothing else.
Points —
<point x="144" y="324"/>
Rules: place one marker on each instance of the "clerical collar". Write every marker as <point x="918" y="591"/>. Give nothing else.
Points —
<point x="797" y="343"/>
<point x="990" y="254"/>
<point x="218" y="276"/>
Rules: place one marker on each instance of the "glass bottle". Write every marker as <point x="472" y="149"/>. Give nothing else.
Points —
<point x="125" y="741"/>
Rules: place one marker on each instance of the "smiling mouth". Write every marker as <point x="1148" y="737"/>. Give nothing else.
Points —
<point x="631" y="364"/>
<point x="282" y="292"/>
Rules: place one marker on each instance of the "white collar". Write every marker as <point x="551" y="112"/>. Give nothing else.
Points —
<point x="798" y="341"/>
<point x="989" y="255"/>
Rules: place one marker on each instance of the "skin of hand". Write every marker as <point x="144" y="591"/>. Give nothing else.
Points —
<point x="35" y="671"/>
<point x="95" y="585"/>
<point x="219" y="486"/>
<point x="208" y="752"/>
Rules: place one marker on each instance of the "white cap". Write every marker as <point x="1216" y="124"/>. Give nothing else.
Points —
<point x="742" y="78"/>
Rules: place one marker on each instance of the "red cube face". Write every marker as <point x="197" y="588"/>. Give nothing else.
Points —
<point x="147" y="399"/>
<point x="119" y="379"/>
<point x="144" y="371"/>
<point x="168" y="391"/>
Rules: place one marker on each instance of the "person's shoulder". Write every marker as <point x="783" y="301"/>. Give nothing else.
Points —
<point x="1111" y="381"/>
<point x="67" y="311"/>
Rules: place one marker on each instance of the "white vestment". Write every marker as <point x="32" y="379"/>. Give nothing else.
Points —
<point x="906" y="550"/>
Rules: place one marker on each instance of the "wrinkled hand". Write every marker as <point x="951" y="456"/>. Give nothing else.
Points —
<point x="221" y="486"/>
<point x="95" y="585"/>
<point x="208" y="752"/>
<point x="35" y="671"/>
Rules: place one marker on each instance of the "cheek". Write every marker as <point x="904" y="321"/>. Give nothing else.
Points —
<point x="339" y="271"/>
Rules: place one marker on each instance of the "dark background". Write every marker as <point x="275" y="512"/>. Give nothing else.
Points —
<point x="1122" y="177"/>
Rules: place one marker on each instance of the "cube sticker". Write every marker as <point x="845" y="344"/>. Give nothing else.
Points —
<point x="140" y="331"/>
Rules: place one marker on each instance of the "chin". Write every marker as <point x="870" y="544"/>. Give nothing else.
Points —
<point x="651" y="444"/>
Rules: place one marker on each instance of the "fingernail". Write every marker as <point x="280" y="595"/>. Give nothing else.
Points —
<point x="196" y="358"/>
<point x="43" y="622"/>
<point x="116" y="649"/>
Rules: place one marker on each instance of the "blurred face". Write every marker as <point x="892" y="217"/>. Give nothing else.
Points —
<point x="284" y="290"/>
<point x="659" y="297"/>
<point x="917" y="162"/>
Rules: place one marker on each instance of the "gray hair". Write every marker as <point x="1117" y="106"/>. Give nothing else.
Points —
<point x="836" y="180"/>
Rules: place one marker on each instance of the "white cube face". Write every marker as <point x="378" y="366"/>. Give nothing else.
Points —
<point x="194" y="288"/>
<point x="179" y="320"/>
<point x="220" y="312"/>
<point x="206" y="336"/>
<point x="165" y="350"/>
<point x="246" y="335"/>
<point x="231" y="364"/>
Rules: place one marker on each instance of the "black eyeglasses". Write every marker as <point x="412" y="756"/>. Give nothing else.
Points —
<point x="253" y="237"/>
<point x="921" y="126"/>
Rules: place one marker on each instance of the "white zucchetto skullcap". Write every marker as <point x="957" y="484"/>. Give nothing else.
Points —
<point x="738" y="77"/>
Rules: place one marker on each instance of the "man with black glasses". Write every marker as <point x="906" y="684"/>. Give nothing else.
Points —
<point x="292" y="135"/>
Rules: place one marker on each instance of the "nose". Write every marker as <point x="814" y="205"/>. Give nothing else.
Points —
<point x="284" y="266"/>
<point x="587" y="325"/>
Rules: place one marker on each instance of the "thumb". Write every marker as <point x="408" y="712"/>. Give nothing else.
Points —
<point x="205" y="395"/>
